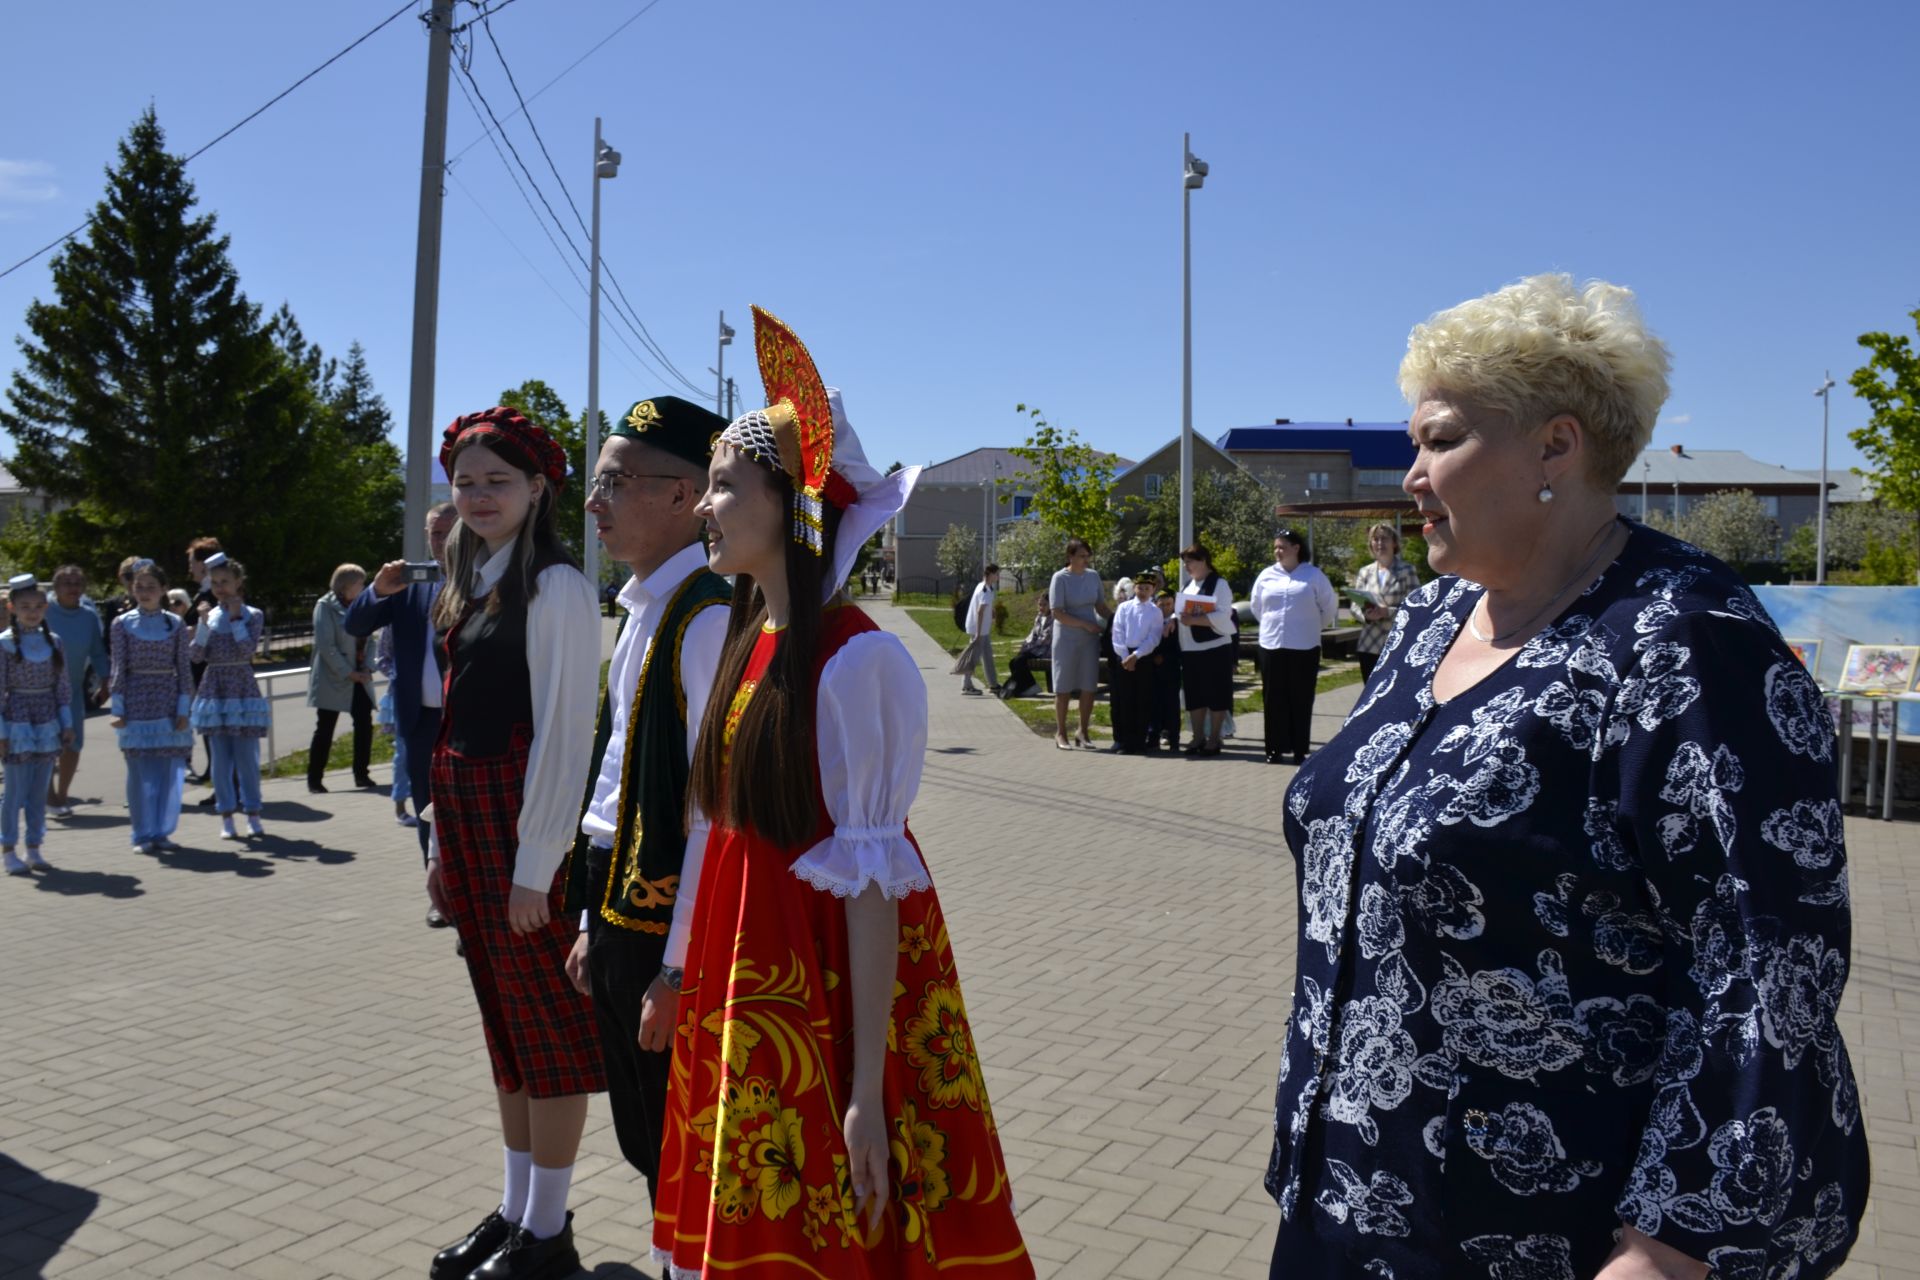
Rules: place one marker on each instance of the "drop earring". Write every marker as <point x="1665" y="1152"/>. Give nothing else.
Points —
<point x="1546" y="493"/>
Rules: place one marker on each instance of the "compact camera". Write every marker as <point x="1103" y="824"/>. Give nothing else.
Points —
<point x="423" y="571"/>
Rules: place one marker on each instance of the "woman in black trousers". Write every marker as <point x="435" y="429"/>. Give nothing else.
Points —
<point x="338" y="680"/>
<point x="1294" y="602"/>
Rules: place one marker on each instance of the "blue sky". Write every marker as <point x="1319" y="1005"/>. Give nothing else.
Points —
<point x="964" y="207"/>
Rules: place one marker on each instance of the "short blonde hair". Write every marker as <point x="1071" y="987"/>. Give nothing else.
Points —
<point x="343" y="575"/>
<point x="1545" y="346"/>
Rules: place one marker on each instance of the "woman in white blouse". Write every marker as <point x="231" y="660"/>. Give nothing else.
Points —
<point x="1295" y="603"/>
<point x="1204" y="610"/>
<point x="521" y="637"/>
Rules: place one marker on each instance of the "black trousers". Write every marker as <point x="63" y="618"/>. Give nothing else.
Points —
<point x="1368" y="661"/>
<point x="324" y="723"/>
<point x="1163" y="720"/>
<point x="1287" y="679"/>
<point x="1131" y="694"/>
<point x="621" y="965"/>
<point x="1021" y="674"/>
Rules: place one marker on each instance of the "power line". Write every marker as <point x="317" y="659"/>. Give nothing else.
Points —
<point x="248" y="118"/>
<point x="569" y="68"/>
<point x="631" y="314"/>
<point x="538" y="220"/>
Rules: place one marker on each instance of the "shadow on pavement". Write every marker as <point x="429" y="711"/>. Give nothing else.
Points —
<point x="306" y="851"/>
<point x="292" y="811"/>
<point x="214" y="862"/>
<point x="79" y="884"/>
<point x="48" y="1211"/>
<point x="619" y="1271"/>
<point x="87" y="822"/>
<point x="954" y="751"/>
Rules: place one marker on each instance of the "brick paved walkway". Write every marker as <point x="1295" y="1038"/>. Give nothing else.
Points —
<point x="256" y="1062"/>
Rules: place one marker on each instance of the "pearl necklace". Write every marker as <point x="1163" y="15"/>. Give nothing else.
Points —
<point x="1579" y="575"/>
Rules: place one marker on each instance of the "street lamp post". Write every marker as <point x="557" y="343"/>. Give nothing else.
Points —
<point x="1194" y="173"/>
<point x="720" y="367"/>
<point x="1646" y="470"/>
<point x="1820" y="534"/>
<point x="606" y="164"/>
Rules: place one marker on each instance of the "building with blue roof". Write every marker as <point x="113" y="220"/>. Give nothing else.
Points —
<point x="1324" y="461"/>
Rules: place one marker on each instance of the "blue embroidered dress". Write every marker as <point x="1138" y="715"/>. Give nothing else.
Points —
<point x="32" y="712"/>
<point x="152" y="683"/>
<point x="228" y="701"/>
<point x="1571" y="947"/>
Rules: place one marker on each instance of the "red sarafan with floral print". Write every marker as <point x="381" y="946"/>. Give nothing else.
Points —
<point x="754" y="1179"/>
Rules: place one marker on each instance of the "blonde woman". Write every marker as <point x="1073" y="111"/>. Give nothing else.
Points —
<point x="1386" y="582"/>
<point x="1573" y="919"/>
<point x="339" y="679"/>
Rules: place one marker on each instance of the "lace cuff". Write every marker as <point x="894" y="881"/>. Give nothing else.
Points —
<point x="850" y="859"/>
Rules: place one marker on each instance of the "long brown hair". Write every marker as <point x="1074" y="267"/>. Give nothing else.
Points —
<point x="536" y="546"/>
<point x="759" y="784"/>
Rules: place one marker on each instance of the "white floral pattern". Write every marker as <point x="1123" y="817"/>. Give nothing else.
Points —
<point x="1572" y="947"/>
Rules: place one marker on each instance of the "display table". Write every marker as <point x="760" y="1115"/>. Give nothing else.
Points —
<point x="1876" y="789"/>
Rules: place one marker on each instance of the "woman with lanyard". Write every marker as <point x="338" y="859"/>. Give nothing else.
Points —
<point x="1204" y="609"/>
<point x="1294" y="602"/>
<point x="520" y="631"/>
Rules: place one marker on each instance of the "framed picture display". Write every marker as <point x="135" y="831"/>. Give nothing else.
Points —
<point x="1808" y="651"/>
<point x="1880" y="668"/>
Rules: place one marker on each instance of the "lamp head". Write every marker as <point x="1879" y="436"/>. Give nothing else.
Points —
<point x="607" y="163"/>
<point x="1196" y="172"/>
<point x="1825" y="387"/>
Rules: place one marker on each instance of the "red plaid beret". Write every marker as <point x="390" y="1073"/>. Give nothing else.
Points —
<point x="508" y="434"/>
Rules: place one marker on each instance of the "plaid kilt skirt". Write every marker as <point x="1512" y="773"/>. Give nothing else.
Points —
<point x="540" y="1031"/>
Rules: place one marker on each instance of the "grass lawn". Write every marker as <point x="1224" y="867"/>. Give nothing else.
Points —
<point x="1037" y="712"/>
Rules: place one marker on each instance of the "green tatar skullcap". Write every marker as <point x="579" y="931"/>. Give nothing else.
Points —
<point x="680" y="427"/>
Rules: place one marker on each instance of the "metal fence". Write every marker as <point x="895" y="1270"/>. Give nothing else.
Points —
<point x="269" y="689"/>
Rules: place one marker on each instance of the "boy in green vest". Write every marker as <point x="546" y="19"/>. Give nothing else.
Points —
<point x="636" y="864"/>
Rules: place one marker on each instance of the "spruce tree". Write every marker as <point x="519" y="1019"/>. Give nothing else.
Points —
<point x="152" y="398"/>
<point x="359" y="411"/>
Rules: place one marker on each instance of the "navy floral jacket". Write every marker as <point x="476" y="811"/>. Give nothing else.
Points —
<point x="1571" y="947"/>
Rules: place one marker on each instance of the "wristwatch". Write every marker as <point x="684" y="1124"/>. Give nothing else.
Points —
<point x="673" y="975"/>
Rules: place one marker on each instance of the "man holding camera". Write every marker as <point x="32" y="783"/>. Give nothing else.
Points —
<point x="636" y="864"/>
<point x="401" y="595"/>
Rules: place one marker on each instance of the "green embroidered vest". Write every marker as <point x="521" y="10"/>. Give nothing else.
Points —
<point x="643" y="873"/>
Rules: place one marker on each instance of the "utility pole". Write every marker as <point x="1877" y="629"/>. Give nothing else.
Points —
<point x="606" y="164"/>
<point x="720" y="369"/>
<point x="1820" y="538"/>
<point x="426" y="282"/>
<point x="1193" y="173"/>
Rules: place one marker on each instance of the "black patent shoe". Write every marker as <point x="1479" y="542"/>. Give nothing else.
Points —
<point x="457" y="1261"/>
<point x="524" y="1257"/>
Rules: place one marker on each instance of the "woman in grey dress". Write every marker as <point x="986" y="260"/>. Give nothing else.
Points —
<point x="1078" y="607"/>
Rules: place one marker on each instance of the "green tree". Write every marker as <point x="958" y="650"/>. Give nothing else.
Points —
<point x="1852" y="527"/>
<point x="1072" y="482"/>
<point x="1733" y="525"/>
<point x="1890" y="384"/>
<point x="958" y="553"/>
<point x="1232" y="517"/>
<point x="359" y="411"/>
<point x="1029" y="551"/>
<point x="154" y="403"/>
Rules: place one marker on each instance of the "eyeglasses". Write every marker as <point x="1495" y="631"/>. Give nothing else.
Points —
<point x="610" y="482"/>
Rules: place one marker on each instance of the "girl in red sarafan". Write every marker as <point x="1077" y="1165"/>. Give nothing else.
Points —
<point x="827" y="1116"/>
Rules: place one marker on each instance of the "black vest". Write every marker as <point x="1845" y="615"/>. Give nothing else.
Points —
<point x="489" y="692"/>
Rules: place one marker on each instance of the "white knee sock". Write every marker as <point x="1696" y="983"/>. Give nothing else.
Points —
<point x="546" y="1214"/>
<point x="513" y="1202"/>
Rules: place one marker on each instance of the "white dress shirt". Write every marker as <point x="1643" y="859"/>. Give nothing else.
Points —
<point x="979" y="624"/>
<point x="646" y="601"/>
<point x="1294" y="606"/>
<point x="563" y="666"/>
<point x="1137" y="625"/>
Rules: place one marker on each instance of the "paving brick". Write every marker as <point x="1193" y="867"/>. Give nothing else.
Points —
<point x="271" y="1070"/>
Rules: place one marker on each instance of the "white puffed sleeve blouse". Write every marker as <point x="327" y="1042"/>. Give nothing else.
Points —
<point x="870" y="723"/>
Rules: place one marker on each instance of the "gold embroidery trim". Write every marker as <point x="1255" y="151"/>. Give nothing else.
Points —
<point x="652" y="893"/>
